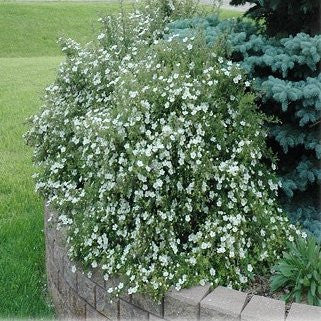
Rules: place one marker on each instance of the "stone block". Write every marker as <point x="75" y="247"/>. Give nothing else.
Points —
<point x="86" y="288"/>
<point x="263" y="309"/>
<point x="58" y="257"/>
<point x="146" y="303"/>
<point x="75" y="305"/>
<point x="222" y="304"/>
<point x="128" y="311"/>
<point x="58" y="302"/>
<point x="184" y="304"/>
<point x="79" y="307"/>
<point x="105" y="304"/>
<point x="98" y="277"/>
<point x="69" y="276"/>
<point x="303" y="312"/>
<point x="52" y="273"/>
<point x="61" y="237"/>
<point x="63" y="287"/>
<point x="154" y="318"/>
<point x="92" y="314"/>
<point x="49" y="250"/>
<point x="126" y="297"/>
<point x="49" y="231"/>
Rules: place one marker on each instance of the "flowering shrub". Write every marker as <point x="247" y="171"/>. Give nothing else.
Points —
<point x="152" y="152"/>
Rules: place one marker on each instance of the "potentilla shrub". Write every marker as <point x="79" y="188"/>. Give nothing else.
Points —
<point x="152" y="153"/>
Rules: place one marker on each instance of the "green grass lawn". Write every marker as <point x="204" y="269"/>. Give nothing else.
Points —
<point x="22" y="277"/>
<point x="29" y="58"/>
<point x="32" y="29"/>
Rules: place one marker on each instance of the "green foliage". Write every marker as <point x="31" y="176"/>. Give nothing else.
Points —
<point x="288" y="80"/>
<point x="285" y="17"/>
<point x="152" y="151"/>
<point x="299" y="272"/>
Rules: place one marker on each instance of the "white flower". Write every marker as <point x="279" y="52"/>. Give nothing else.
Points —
<point x="189" y="47"/>
<point x="192" y="260"/>
<point x="249" y="268"/>
<point x="73" y="269"/>
<point x="94" y="264"/>
<point x="221" y="250"/>
<point x="243" y="279"/>
<point x="158" y="184"/>
<point x="133" y="94"/>
<point x="237" y="79"/>
<point x="100" y="36"/>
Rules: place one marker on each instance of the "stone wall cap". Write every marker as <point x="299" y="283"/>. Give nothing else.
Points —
<point x="303" y="312"/>
<point x="192" y="296"/>
<point x="225" y="300"/>
<point x="263" y="309"/>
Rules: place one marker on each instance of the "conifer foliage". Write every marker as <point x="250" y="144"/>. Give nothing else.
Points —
<point x="287" y="73"/>
<point x="285" y="16"/>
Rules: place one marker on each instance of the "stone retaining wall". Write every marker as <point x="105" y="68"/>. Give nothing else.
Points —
<point x="75" y="296"/>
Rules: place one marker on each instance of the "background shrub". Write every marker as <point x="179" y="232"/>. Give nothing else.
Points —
<point x="152" y="152"/>
<point x="289" y="82"/>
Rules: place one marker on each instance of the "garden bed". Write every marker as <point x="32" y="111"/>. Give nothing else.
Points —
<point x="75" y="295"/>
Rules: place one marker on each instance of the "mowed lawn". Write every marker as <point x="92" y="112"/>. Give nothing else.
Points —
<point x="31" y="29"/>
<point x="22" y="278"/>
<point x="29" y="57"/>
